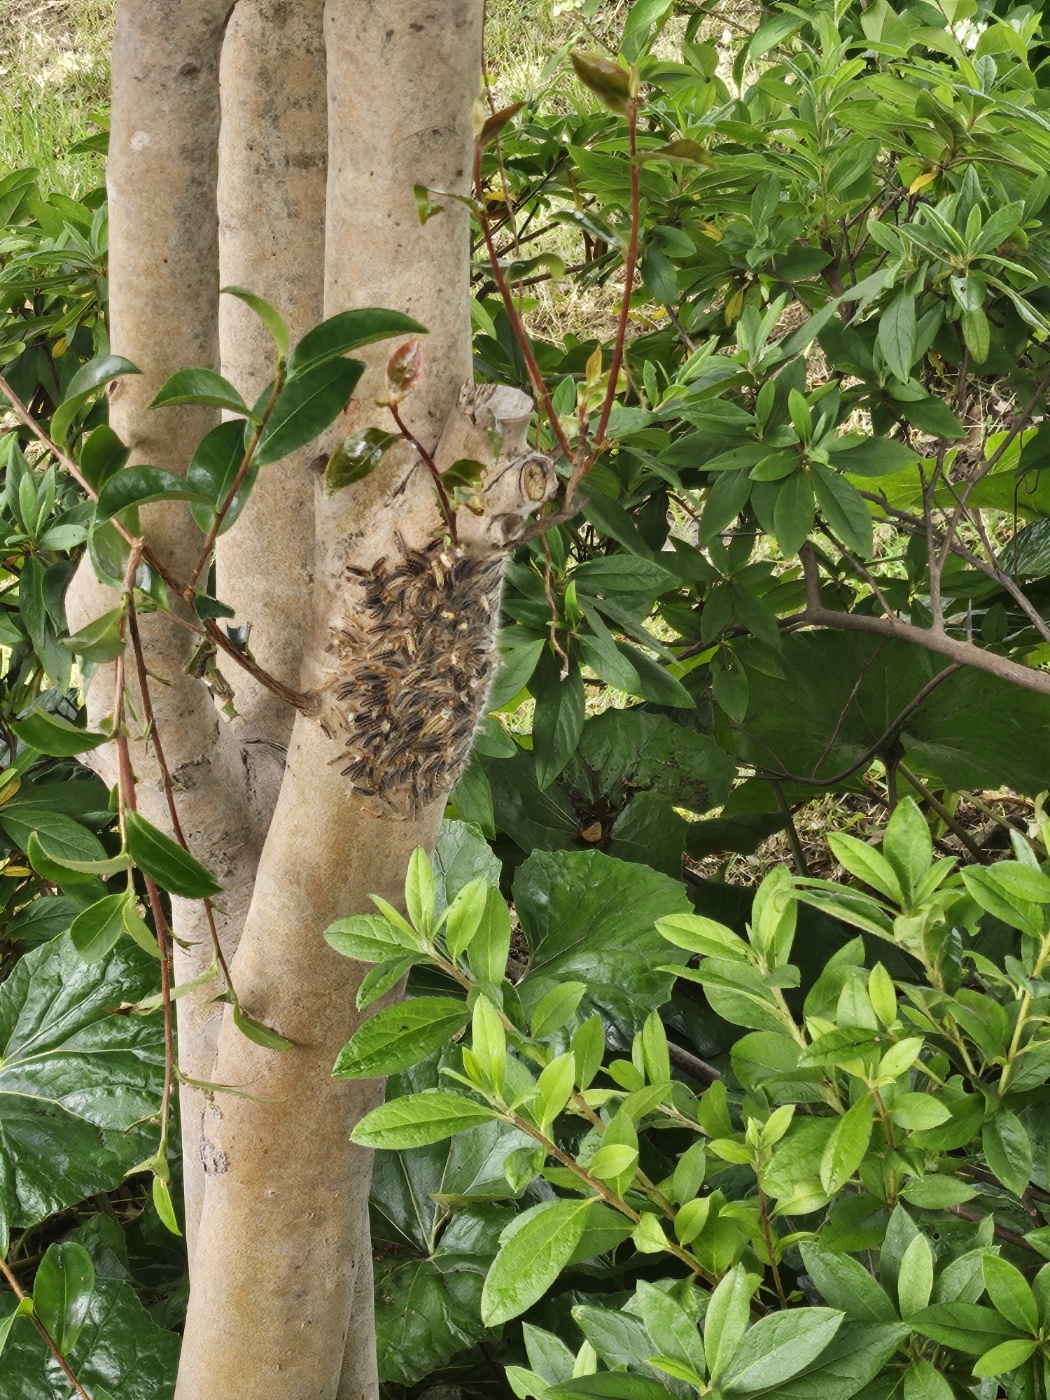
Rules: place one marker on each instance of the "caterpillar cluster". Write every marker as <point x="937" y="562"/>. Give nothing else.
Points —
<point x="414" y="657"/>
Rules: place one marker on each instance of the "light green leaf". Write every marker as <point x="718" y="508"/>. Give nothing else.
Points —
<point x="532" y="1258"/>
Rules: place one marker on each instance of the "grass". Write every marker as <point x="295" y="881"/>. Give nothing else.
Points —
<point x="54" y="79"/>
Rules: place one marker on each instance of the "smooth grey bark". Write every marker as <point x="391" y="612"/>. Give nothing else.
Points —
<point x="280" y="1300"/>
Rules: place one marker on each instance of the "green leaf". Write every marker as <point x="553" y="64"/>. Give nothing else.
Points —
<point x="644" y="22"/>
<point x="88" y="379"/>
<point x="609" y="1385"/>
<point x="866" y="864"/>
<point x="1007" y="1356"/>
<point x="94" y="932"/>
<point x="977" y="333"/>
<point x="1008" y="1150"/>
<point x="967" y="1327"/>
<point x="165" y="1209"/>
<point x="532" y="1257"/>
<point x="258" y="1032"/>
<point x="844" y="509"/>
<point x="134" y="486"/>
<point x="306" y="405"/>
<point x="368" y="938"/>
<point x="62" y="1292"/>
<point x="793" y="513"/>
<point x="778" y="1347"/>
<point x="854" y="1357"/>
<point x="212" y="471"/>
<point x="420" y="898"/>
<point x="78" y="1085"/>
<point x="267" y="314"/>
<point x="915" y="1280"/>
<point x="898" y="333"/>
<point x="51" y="734"/>
<point x="121" y="1351"/>
<point x="357" y="457"/>
<point x="490" y="947"/>
<point x="381" y="979"/>
<point x="558" y="721"/>
<point x="418" y="1119"/>
<point x="873" y="456"/>
<point x="908" y="846"/>
<point x="100" y="641"/>
<point x="400" y="1036"/>
<point x="174" y="869"/>
<point x="589" y="918"/>
<point x="671" y="1329"/>
<point x="556" y="1008"/>
<point x="345" y="332"/>
<point x="52" y="841"/>
<point x="847" y="1146"/>
<point x="200" y="386"/>
<point x="1010" y="1294"/>
<point x="726" y="1322"/>
<point x="846" y="1284"/>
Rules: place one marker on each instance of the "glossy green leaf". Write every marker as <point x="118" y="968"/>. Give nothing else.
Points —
<point x="74" y="1078"/>
<point x="347" y="331"/>
<point x="357" y="457"/>
<point x="267" y="314"/>
<point x="135" y="486"/>
<point x="174" y="869"/>
<point x="212" y="471"/>
<point x="200" y="386"/>
<point x="62" y="1292"/>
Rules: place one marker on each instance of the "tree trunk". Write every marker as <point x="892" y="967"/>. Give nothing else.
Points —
<point x="386" y="610"/>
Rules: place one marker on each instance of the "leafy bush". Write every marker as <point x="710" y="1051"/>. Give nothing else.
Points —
<point x="858" y="1204"/>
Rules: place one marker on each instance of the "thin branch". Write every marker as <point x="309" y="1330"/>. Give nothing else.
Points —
<point x="242" y="471"/>
<point x="963" y="653"/>
<point x="439" y="486"/>
<point x="958" y="830"/>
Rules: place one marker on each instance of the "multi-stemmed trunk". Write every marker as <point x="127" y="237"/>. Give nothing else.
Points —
<point x="276" y="146"/>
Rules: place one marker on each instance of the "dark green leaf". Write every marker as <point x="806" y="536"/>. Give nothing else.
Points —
<point x="306" y="406"/>
<point x="174" y="869"/>
<point x="200" y="386"/>
<point x="357" y="457"/>
<point x="134" y="486"/>
<point x="51" y="734"/>
<point x="345" y="332"/>
<point x="62" y="1292"/>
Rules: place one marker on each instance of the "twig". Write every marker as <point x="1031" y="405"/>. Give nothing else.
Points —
<point x="431" y="466"/>
<point x="933" y="639"/>
<point x="942" y="811"/>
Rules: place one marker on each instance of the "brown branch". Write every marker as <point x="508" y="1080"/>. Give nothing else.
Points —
<point x="932" y="638"/>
